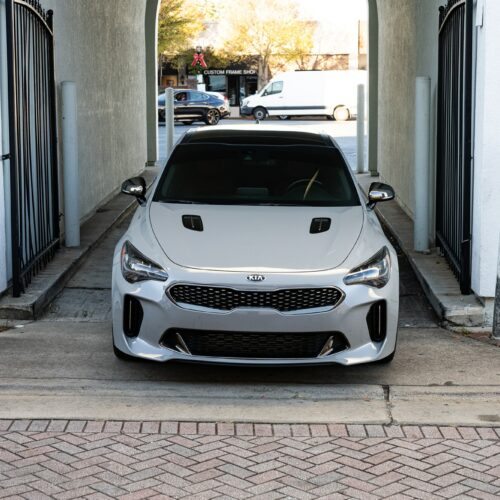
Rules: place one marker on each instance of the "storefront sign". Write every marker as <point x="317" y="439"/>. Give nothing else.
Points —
<point x="229" y="72"/>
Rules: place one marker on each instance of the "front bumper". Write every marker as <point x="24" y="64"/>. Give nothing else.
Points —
<point x="160" y="314"/>
<point x="224" y="112"/>
<point x="246" y="111"/>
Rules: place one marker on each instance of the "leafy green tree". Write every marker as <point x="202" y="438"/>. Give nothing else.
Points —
<point x="269" y="29"/>
<point x="179" y="23"/>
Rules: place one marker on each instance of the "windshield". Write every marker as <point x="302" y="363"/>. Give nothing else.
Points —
<point x="245" y="174"/>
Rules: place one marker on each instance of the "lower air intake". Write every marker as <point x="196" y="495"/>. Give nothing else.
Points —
<point x="377" y="321"/>
<point x="133" y="315"/>
<point x="255" y="345"/>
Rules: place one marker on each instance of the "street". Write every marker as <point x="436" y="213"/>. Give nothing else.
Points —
<point x="75" y="422"/>
<point x="344" y="132"/>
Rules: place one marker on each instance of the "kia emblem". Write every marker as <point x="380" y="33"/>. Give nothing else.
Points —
<point x="255" y="277"/>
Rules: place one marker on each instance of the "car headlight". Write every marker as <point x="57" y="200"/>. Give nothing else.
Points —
<point x="136" y="267"/>
<point x="374" y="272"/>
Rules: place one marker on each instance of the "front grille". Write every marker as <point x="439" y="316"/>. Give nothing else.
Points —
<point x="226" y="299"/>
<point x="256" y="345"/>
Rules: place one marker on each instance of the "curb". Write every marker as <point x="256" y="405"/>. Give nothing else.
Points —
<point x="252" y="430"/>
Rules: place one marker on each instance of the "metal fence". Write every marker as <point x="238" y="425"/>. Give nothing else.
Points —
<point x="454" y="162"/>
<point x="33" y="144"/>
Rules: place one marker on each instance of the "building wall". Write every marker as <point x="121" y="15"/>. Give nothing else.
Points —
<point x="101" y="46"/>
<point x="397" y="71"/>
<point x="408" y="47"/>
<point x="408" y="42"/>
<point x="486" y="204"/>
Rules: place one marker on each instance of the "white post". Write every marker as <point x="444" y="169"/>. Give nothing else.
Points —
<point x="70" y="163"/>
<point x="361" y="129"/>
<point x="169" y="120"/>
<point x="422" y="162"/>
<point x="496" y="310"/>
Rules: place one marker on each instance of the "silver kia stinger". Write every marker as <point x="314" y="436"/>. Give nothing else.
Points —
<point x="255" y="246"/>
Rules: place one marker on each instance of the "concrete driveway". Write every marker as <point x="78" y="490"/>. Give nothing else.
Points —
<point x="63" y="367"/>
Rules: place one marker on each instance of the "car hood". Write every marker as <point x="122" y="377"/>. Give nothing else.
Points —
<point x="256" y="238"/>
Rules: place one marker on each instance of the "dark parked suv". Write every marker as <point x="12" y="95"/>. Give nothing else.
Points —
<point x="193" y="105"/>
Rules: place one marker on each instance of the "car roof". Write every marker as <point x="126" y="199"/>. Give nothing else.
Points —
<point x="256" y="134"/>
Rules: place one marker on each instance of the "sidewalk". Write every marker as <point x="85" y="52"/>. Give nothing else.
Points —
<point x="51" y="280"/>
<point x="432" y="271"/>
<point x="135" y="460"/>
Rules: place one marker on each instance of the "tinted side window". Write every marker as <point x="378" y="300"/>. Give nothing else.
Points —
<point x="181" y="96"/>
<point x="277" y="87"/>
<point x="274" y="88"/>
<point x="198" y="96"/>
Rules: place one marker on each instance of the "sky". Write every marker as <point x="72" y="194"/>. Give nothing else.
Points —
<point x="337" y="23"/>
<point x="330" y="10"/>
<point x="325" y="10"/>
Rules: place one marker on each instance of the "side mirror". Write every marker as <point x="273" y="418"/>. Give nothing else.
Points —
<point x="136" y="186"/>
<point x="379" y="192"/>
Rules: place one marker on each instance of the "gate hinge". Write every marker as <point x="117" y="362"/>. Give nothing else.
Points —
<point x="5" y="157"/>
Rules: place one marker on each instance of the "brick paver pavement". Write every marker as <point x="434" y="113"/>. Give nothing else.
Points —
<point x="132" y="460"/>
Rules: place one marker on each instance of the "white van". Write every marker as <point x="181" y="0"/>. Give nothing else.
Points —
<point x="299" y="93"/>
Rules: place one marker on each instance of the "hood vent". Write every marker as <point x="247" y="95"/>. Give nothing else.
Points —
<point x="192" y="222"/>
<point x="320" y="225"/>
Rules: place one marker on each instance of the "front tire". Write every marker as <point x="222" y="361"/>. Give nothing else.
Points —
<point x="259" y="114"/>
<point x="212" y="117"/>
<point x="341" y="114"/>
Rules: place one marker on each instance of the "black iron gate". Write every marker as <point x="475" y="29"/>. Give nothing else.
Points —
<point x="33" y="145"/>
<point x="454" y="141"/>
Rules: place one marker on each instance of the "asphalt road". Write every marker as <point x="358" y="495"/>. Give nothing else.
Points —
<point x="343" y="132"/>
